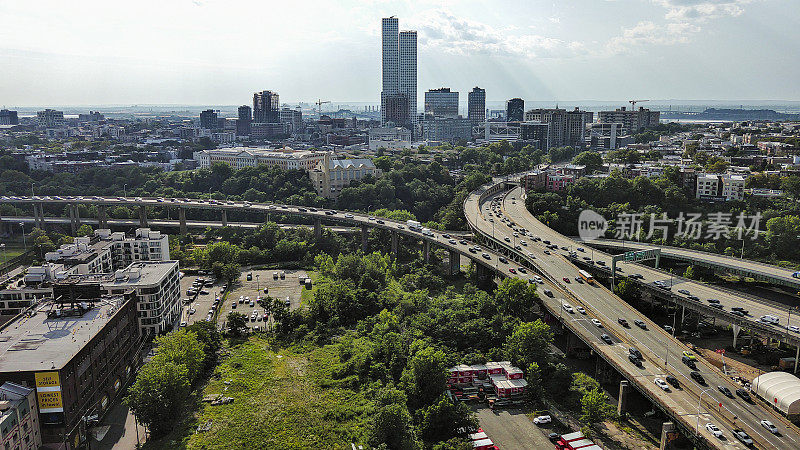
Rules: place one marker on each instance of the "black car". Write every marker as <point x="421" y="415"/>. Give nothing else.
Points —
<point x="697" y="377"/>
<point x="635" y="352"/>
<point x="380" y="221"/>
<point x="725" y="391"/>
<point x="606" y="338"/>
<point x="503" y="260"/>
<point x="554" y="437"/>
<point x="548" y="292"/>
<point x="636" y="361"/>
<point x="623" y="322"/>
<point x="689" y="362"/>
<point x="673" y="381"/>
<point x="744" y="395"/>
<point x="640" y="324"/>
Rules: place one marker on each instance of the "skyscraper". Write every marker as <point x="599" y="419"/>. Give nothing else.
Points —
<point x="244" y="120"/>
<point x="399" y="75"/>
<point x="515" y="110"/>
<point x="208" y="119"/>
<point x="476" y="105"/>
<point x="441" y="102"/>
<point x="266" y="107"/>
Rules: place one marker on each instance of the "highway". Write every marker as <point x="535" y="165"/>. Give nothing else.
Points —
<point x="656" y="345"/>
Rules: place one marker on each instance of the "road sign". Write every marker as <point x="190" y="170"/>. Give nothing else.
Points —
<point x="641" y="255"/>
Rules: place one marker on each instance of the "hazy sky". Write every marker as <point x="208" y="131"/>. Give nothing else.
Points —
<point x="220" y="52"/>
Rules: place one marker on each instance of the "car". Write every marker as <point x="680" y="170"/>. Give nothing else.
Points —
<point x="689" y="362"/>
<point x="512" y="270"/>
<point x="503" y="260"/>
<point x="740" y="314"/>
<point x="548" y="293"/>
<point x="554" y="437"/>
<point x="462" y="242"/>
<point x="725" y="391"/>
<point x="568" y="308"/>
<point x="566" y="280"/>
<point x="580" y="249"/>
<point x="371" y="218"/>
<point x="793" y="328"/>
<point x="606" y="338"/>
<point x="713" y="429"/>
<point x="769" y="426"/>
<point x="693" y="297"/>
<point x="233" y="305"/>
<point x="601" y="263"/>
<point x="673" y="381"/>
<point x="640" y="324"/>
<point x="635" y="352"/>
<point x="541" y="420"/>
<point x="547" y="252"/>
<point x="744" y="395"/>
<point x="623" y="322"/>
<point x="507" y="239"/>
<point x="636" y="361"/>
<point x="183" y="323"/>
<point x="538" y="279"/>
<point x="636" y="276"/>
<point x="581" y="310"/>
<point x="743" y="437"/>
<point x="522" y="270"/>
<point x="697" y="377"/>
<point x="348" y="216"/>
<point x="486" y="256"/>
<point x="597" y="323"/>
<point x="683" y="291"/>
<point x="662" y="384"/>
<point x="689" y="355"/>
<point x="668" y="329"/>
<point x="713" y="301"/>
<point x="452" y="241"/>
<point x="579" y="280"/>
<point x="523" y="243"/>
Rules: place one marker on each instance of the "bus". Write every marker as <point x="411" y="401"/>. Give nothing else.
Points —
<point x="586" y="276"/>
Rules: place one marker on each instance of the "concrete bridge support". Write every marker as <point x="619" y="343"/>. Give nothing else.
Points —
<point x="143" y="216"/>
<point x="736" y="330"/>
<point x="455" y="262"/>
<point x="668" y="433"/>
<point x="38" y="215"/>
<point x="364" y="238"/>
<point x="318" y="228"/>
<point x="624" y="395"/>
<point x="73" y="211"/>
<point x="224" y="218"/>
<point x="182" y="220"/>
<point x="395" y="243"/>
<point x="102" y="216"/>
<point x="426" y="251"/>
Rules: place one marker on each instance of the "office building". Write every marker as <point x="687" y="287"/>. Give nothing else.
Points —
<point x="441" y="103"/>
<point x="476" y="105"/>
<point x="208" y="119"/>
<point x="77" y="353"/>
<point x="567" y="128"/>
<point x="633" y="121"/>
<point x="399" y="75"/>
<point x="446" y="129"/>
<point x="536" y="134"/>
<point x="292" y="119"/>
<point x="243" y="121"/>
<point x="264" y="130"/>
<point x="93" y="116"/>
<point x="719" y="187"/>
<point x="607" y="136"/>
<point x="515" y="110"/>
<point x="266" y="107"/>
<point x="240" y="157"/>
<point x="8" y="117"/>
<point x="332" y="175"/>
<point x="50" y="118"/>
<point x="19" y="418"/>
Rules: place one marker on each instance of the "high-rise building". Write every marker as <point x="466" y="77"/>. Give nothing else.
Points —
<point x="441" y="103"/>
<point x="476" y="105"/>
<point x="632" y="121"/>
<point x="266" y="108"/>
<point x="50" y="118"/>
<point x="515" y="110"/>
<point x="8" y="117"/>
<point x="399" y="75"/>
<point x="567" y="128"/>
<point x="244" y="120"/>
<point x="208" y="119"/>
<point x="292" y="118"/>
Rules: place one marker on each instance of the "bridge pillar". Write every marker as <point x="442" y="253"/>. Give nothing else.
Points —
<point x="143" y="216"/>
<point x="455" y="262"/>
<point x="796" y="357"/>
<point x="364" y="238"/>
<point x="426" y="251"/>
<point x="318" y="228"/>
<point x="73" y="229"/>
<point x="182" y="219"/>
<point x="102" y="217"/>
<point x="224" y="218"/>
<point x="624" y="392"/>
<point x="77" y="218"/>
<point x="736" y="330"/>
<point x="668" y="434"/>
<point x="395" y="243"/>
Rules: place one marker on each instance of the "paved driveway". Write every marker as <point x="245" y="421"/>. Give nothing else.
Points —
<point x="512" y="429"/>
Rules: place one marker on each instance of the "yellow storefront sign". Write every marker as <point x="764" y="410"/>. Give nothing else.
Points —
<point x="50" y="401"/>
<point x="47" y="379"/>
<point x="48" y="392"/>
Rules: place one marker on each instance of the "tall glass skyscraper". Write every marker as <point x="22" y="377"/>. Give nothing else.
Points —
<point x="399" y="86"/>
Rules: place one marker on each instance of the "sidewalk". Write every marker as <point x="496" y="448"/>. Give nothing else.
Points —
<point x="117" y="431"/>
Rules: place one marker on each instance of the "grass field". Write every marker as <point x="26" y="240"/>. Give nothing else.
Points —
<point x="284" y="398"/>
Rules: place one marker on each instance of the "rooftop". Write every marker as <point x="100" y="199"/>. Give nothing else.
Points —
<point x="35" y="342"/>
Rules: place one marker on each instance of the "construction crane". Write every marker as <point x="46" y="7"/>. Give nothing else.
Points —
<point x="634" y="102"/>
<point x="319" y="106"/>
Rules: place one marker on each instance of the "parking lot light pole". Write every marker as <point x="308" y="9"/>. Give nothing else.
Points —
<point x="258" y="286"/>
<point x="697" y="426"/>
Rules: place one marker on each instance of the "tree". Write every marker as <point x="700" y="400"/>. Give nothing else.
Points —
<point x="441" y="420"/>
<point x="208" y="335"/>
<point x="391" y="422"/>
<point x="425" y="376"/>
<point x="535" y="380"/>
<point x="237" y="323"/>
<point x="85" y="230"/>
<point x="516" y="297"/>
<point x="594" y="407"/>
<point x="791" y="185"/>
<point x="529" y="343"/>
<point x="181" y="348"/>
<point x="716" y="164"/>
<point x="592" y="160"/>
<point x="159" y="392"/>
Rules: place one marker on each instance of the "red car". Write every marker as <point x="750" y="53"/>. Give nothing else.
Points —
<point x="512" y="270"/>
<point x="566" y="280"/>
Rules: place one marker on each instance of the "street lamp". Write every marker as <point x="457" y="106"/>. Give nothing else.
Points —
<point x="125" y="190"/>
<point x="24" y="244"/>
<point x="700" y="399"/>
<point x="3" y="261"/>
<point x="258" y="286"/>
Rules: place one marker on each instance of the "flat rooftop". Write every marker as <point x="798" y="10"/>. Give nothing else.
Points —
<point x="33" y="343"/>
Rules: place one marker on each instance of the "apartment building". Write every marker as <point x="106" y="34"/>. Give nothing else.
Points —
<point x="566" y="128"/>
<point x="716" y="187"/>
<point x="19" y="418"/>
<point x="330" y="177"/>
<point x="632" y="120"/>
<point x="144" y="245"/>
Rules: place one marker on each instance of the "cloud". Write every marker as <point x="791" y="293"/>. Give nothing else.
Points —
<point x="441" y="30"/>
<point x="649" y="33"/>
<point x="702" y="10"/>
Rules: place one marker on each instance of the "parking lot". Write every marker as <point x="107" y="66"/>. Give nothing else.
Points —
<point x="280" y="284"/>
<point x="201" y="303"/>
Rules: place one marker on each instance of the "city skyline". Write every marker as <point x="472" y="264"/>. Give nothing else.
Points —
<point x="664" y="49"/>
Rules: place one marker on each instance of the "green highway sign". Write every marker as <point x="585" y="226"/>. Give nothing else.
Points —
<point x="641" y="255"/>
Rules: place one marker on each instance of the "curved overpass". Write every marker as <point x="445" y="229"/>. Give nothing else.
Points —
<point x="759" y="271"/>
<point x="496" y="212"/>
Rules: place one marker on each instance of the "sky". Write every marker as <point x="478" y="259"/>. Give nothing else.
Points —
<point x="207" y="52"/>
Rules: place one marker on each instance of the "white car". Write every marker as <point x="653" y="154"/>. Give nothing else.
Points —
<point x="581" y="310"/>
<point x="597" y="323"/>
<point x="348" y="216"/>
<point x="541" y="420"/>
<point x="538" y="279"/>
<point x="793" y="328"/>
<point x="183" y="324"/>
<point x="713" y="429"/>
<point x="568" y="308"/>
<point x="769" y="426"/>
<point x="662" y="384"/>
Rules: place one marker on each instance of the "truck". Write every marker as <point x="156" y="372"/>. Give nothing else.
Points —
<point x="413" y="225"/>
